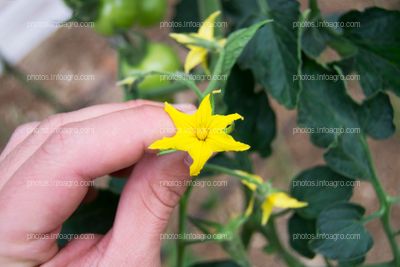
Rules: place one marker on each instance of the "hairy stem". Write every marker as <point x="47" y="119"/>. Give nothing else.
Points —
<point x="271" y="234"/>
<point x="181" y="242"/>
<point x="385" y="207"/>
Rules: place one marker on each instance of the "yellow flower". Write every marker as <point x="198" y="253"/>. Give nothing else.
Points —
<point x="275" y="199"/>
<point x="197" y="54"/>
<point x="200" y="134"/>
<point x="253" y="183"/>
<point x="280" y="200"/>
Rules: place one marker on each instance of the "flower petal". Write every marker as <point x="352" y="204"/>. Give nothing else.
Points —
<point x="183" y="122"/>
<point x="250" y="207"/>
<point x="283" y="200"/>
<point x="206" y="30"/>
<point x="182" y="38"/>
<point x="222" y="121"/>
<point x="200" y="153"/>
<point x="178" y="141"/>
<point x="219" y="141"/>
<point x="196" y="56"/>
<point x="204" y="113"/>
<point x="266" y="209"/>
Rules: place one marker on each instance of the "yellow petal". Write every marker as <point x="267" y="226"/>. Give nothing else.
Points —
<point x="282" y="200"/>
<point x="182" y="121"/>
<point x="181" y="38"/>
<point x="252" y="185"/>
<point x="200" y="153"/>
<point x="250" y="207"/>
<point x="206" y="30"/>
<point x="266" y="209"/>
<point x="196" y="56"/>
<point x="249" y="185"/>
<point x="222" y="121"/>
<point x="204" y="113"/>
<point x="178" y="141"/>
<point x="224" y="142"/>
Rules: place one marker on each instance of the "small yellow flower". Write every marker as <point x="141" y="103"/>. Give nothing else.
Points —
<point x="200" y="134"/>
<point x="275" y="199"/>
<point x="280" y="200"/>
<point x="255" y="179"/>
<point x="197" y="54"/>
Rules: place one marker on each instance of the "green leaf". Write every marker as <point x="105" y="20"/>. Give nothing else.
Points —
<point x="187" y="18"/>
<point x="349" y="156"/>
<point x="94" y="217"/>
<point x="272" y="53"/>
<point x="313" y="39"/>
<point x="341" y="234"/>
<point x="324" y="106"/>
<point x="378" y="42"/>
<point x="318" y="34"/>
<point x="301" y="232"/>
<point x="331" y="115"/>
<point x="235" y="44"/>
<point x="376" y="116"/>
<point x="352" y="263"/>
<point x="83" y="10"/>
<point x="225" y="263"/>
<point x="258" y="128"/>
<point x="320" y="187"/>
<point x="236" y="11"/>
<point x="232" y="244"/>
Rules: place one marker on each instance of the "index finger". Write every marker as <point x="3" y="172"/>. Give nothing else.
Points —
<point x="116" y="141"/>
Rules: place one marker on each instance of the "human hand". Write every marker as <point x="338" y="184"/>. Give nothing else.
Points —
<point x="118" y="139"/>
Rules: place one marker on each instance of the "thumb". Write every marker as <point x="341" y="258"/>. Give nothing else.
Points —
<point x="149" y="197"/>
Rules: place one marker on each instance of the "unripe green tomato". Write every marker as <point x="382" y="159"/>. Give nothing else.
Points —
<point x="151" y="12"/>
<point x="115" y="15"/>
<point x="158" y="57"/>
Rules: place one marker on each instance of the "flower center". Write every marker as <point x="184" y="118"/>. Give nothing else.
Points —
<point x="202" y="133"/>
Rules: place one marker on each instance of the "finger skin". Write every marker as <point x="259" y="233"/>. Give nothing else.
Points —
<point x="18" y="136"/>
<point x="142" y="216"/>
<point x="14" y="158"/>
<point x="70" y="157"/>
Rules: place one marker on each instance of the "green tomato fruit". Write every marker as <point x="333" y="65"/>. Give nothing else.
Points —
<point x="151" y="12"/>
<point x="158" y="57"/>
<point x="115" y="15"/>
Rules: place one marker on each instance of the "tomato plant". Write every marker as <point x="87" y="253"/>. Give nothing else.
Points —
<point x="151" y="12"/>
<point x="272" y="50"/>
<point x="158" y="57"/>
<point x="115" y="15"/>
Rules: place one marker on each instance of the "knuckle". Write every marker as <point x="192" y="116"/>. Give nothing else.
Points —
<point x="136" y="103"/>
<point x="24" y="130"/>
<point x="58" y="142"/>
<point x="168" y="196"/>
<point x="51" y="123"/>
<point x="139" y="102"/>
<point x="148" y="111"/>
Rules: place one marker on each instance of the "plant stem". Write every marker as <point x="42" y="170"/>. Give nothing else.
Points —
<point x="241" y="175"/>
<point x="181" y="242"/>
<point x="385" y="207"/>
<point x="394" y="200"/>
<point x="216" y="83"/>
<point x="263" y="5"/>
<point x="327" y="262"/>
<point x="270" y="233"/>
<point x="169" y="89"/>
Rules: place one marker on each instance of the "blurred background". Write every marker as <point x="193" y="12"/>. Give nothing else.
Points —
<point x="30" y="45"/>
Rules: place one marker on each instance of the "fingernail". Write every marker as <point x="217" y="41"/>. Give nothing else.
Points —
<point x="187" y="108"/>
<point x="188" y="160"/>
